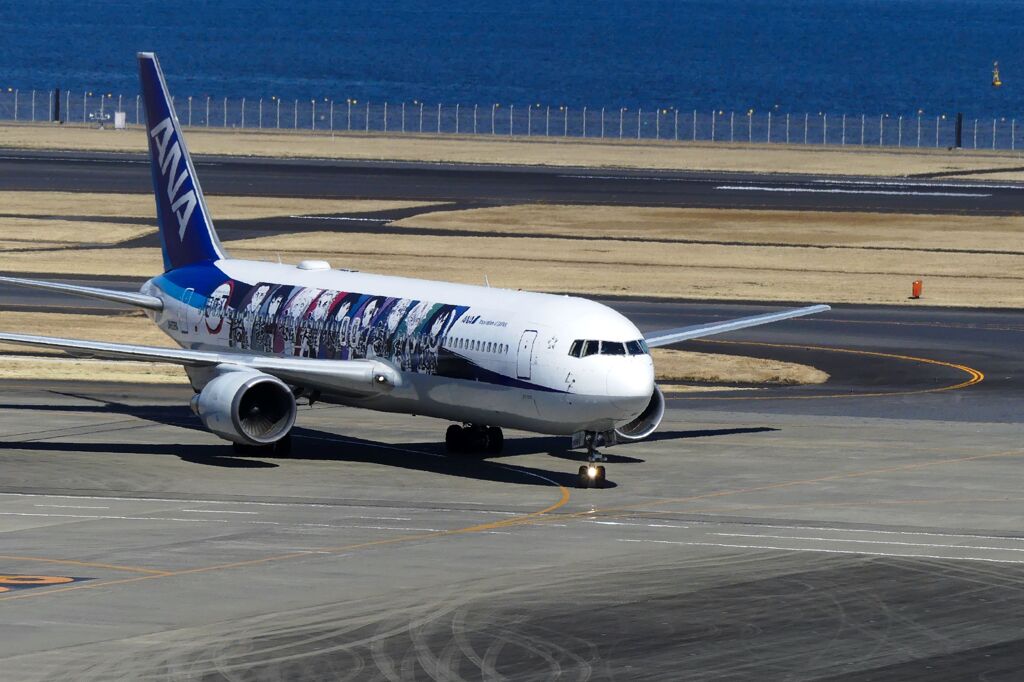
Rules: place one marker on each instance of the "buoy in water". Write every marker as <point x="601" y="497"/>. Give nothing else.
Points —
<point x="996" y="81"/>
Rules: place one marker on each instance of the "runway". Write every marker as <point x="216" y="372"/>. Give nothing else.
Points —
<point x="474" y="185"/>
<point x="868" y="528"/>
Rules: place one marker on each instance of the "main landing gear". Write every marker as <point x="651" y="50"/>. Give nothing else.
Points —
<point x="474" y="439"/>
<point x="592" y="475"/>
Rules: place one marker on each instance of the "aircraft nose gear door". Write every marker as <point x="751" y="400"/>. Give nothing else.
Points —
<point x="525" y="354"/>
<point x="185" y="312"/>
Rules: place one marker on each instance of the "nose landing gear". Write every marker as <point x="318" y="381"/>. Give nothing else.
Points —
<point x="474" y="439"/>
<point x="592" y="475"/>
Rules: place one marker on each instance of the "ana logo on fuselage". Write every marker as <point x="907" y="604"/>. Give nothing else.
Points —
<point x="170" y="160"/>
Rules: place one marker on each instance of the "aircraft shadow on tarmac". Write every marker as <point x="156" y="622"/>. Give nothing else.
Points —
<point x="311" y="444"/>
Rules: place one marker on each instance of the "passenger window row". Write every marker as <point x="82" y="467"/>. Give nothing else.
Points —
<point x="477" y="345"/>
<point x="581" y="348"/>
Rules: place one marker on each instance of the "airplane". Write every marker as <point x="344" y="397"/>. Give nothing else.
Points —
<point x="254" y="337"/>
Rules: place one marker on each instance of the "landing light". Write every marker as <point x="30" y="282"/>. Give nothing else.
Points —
<point x="592" y="472"/>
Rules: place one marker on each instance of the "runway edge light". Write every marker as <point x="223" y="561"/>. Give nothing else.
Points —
<point x="916" y="288"/>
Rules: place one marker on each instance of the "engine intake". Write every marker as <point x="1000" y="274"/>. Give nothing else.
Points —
<point x="648" y="421"/>
<point x="247" y="407"/>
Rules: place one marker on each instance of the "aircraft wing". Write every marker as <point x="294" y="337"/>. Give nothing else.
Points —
<point x="127" y="297"/>
<point x="369" y="377"/>
<point x="667" y="337"/>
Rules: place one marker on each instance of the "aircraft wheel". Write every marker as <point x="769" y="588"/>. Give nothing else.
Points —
<point x="584" y="479"/>
<point x="495" y="440"/>
<point x="599" y="479"/>
<point x="454" y="439"/>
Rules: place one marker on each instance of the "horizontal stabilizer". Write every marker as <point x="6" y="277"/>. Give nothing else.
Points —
<point x="667" y="337"/>
<point x="126" y="297"/>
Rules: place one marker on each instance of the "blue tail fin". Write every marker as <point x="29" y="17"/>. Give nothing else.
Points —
<point x="186" y="229"/>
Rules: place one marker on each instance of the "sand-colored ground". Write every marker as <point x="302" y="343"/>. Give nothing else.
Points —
<point x="533" y="151"/>
<point x="672" y="365"/>
<point x="687" y="366"/>
<point x="797" y="228"/>
<point x="602" y="267"/>
<point x="141" y="206"/>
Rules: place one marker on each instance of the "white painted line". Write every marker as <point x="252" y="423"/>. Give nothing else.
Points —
<point x="896" y="183"/>
<point x="869" y="542"/>
<point x="829" y="551"/>
<point x="68" y="506"/>
<point x="349" y="218"/>
<point x="890" y="532"/>
<point x="813" y="190"/>
<point x="217" y="511"/>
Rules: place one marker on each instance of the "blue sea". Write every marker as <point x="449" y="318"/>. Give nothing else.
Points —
<point x="871" y="56"/>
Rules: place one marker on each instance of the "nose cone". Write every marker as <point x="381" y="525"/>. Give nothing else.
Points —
<point x="631" y="383"/>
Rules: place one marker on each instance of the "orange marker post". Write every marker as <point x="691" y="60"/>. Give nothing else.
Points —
<point x="916" y="288"/>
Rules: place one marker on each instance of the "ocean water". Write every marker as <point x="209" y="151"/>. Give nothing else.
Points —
<point x="850" y="56"/>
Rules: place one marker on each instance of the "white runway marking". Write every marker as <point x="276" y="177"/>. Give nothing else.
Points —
<point x="324" y="217"/>
<point x="815" y="190"/>
<point x="868" y="542"/>
<point x="68" y="506"/>
<point x="217" y="511"/>
<point x="829" y="551"/>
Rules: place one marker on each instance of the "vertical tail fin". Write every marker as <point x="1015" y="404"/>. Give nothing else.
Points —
<point x="186" y="229"/>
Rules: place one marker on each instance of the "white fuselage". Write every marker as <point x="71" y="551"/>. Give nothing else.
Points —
<point x="468" y="354"/>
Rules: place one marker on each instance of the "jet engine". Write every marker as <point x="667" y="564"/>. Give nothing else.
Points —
<point x="645" y="424"/>
<point x="246" y="407"/>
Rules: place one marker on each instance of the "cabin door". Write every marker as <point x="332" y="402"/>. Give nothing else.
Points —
<point x="185" y="312"/>
<point x="525" y="358"/>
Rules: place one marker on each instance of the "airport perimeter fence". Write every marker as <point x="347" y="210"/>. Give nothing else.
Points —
<point x="618" y="123"/>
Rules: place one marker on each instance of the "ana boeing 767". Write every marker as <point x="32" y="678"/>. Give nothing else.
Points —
<point x="254" y="336"/>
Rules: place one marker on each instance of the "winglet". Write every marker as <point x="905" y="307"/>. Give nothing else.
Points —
<point x="186" y="229"/>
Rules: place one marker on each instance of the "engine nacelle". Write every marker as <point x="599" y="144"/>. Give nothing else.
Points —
<point x="247" y="407"/>
<point x="645" y="424"/>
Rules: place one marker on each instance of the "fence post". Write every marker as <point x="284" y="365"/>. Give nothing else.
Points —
<point x="207" y="109"/>
<point x="190" y="111"/>
<point x="694" y="125"/>
<point x="16" y="103"/>
<point x="1013" y="133"/>
<point x="259" y="112"/>
<point x="457" y="118"/>
<point x="438" y="117"/>
<point x="474" y="118"/>
<point x="385" y="115"/>
<point x="769" y="127"/>
<point x="936" y="131"/>
<point x="49" y="105"/>
<point x="639" y="114"/>
<point x="863" y="121"/>
<point x="85" y="104"/>
<point x="565" y="122"/>
<point x="403" y="117"/>
<point x="824" y="129"/>
<point x="137" y="97"/>
<point x="34" y="105"/>
<point x="975" y="133"/>
<point x="714" y="116"/>
<point x="787" y="128"/>
<point x="421" y="117"/>
<point x="547" y="121"/>
<point x="919" y="130"/>
<point x="243" y="112"/>
<point x="844" y="131"/>
<point x="899" y="133"/>
<point x="511" y="118"/>
<point x="493" y="107"/>
<point x="675" y="125"/>
<point x="621" y="110"/>
<point x="332" y="117"/>
<point x="367" y="126"/>
<point x="881" y="129"/>
<point x="657" y="123"/>
<point x="732" y="118"/>
<point x="279" y="112"/>
<point x="602" y="123"/>
<point x="750" y="125"/>
<point x="806" y="117"/>
<point x="584" y="122"/>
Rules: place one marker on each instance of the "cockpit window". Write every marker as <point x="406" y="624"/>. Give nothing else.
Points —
<point x="638" y="347"/>
<point x="576" y="347"/>
<point x="590" y="348"/>
<point x="613" y="348"/>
